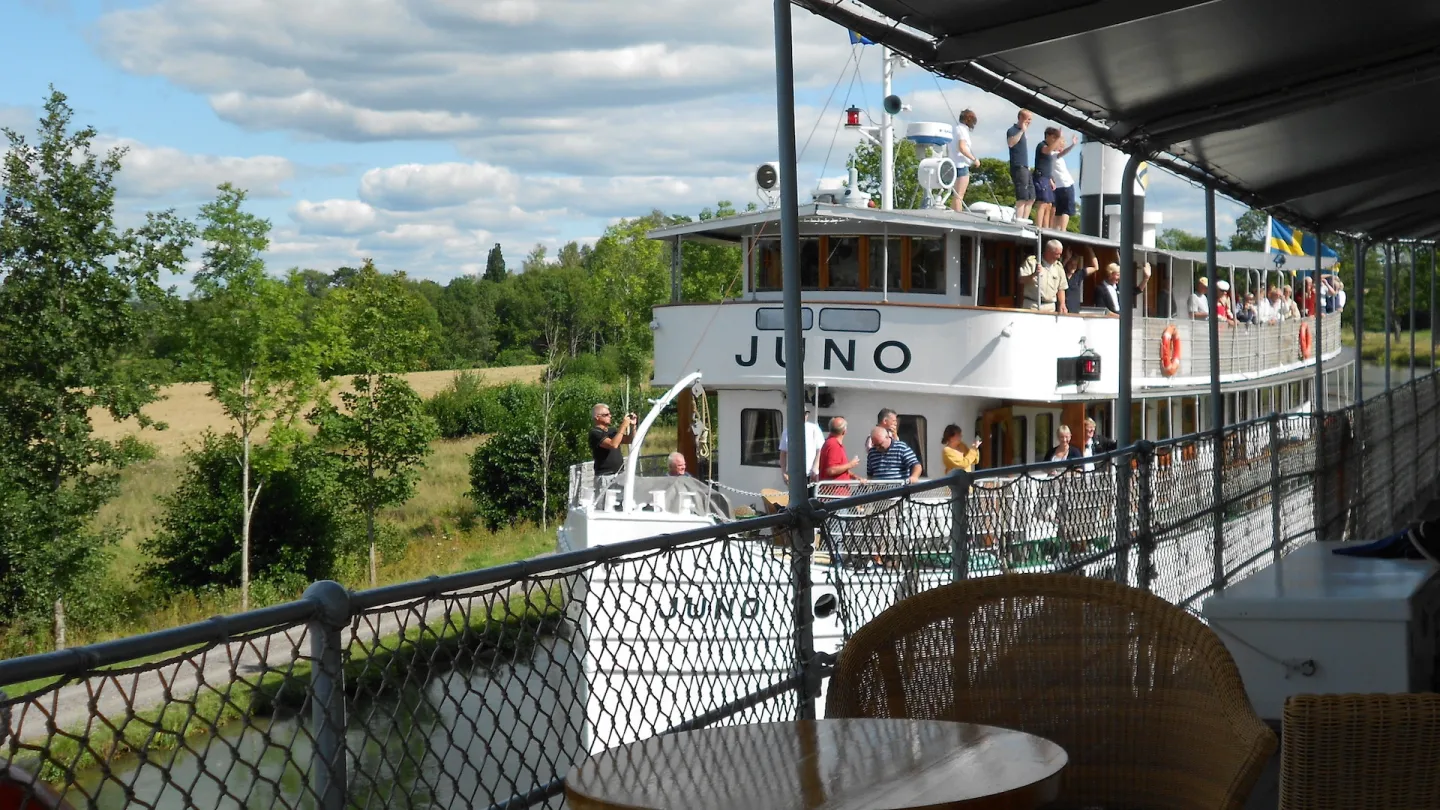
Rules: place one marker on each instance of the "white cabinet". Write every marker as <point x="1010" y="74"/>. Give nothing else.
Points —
<point x="1318" y="622"/>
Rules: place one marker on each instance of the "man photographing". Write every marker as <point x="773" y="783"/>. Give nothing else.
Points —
<point x="605" y="440"/>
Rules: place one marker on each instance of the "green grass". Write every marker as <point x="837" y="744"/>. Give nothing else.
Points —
<point x="505" y="629"/>
<point x="1374" y="349"/>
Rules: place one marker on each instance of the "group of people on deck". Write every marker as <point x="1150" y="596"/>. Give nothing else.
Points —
<point x="1279" y="304"/>
<point x="1043" y="186"/>
<point x="1055" y="280"/>
<point x="887" y="456"/>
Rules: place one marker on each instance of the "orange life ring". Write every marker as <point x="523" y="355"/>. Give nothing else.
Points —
<point x="1170" y="351"/>
<point x="1307" y="341"/>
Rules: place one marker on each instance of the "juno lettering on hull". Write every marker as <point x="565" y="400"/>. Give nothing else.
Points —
<point x="890" y="357"/>
<point x="702" y="607"/>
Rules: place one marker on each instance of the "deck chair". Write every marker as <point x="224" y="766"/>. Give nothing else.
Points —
<point x="1360" y="751"/>
<point x="1143" y="697"/>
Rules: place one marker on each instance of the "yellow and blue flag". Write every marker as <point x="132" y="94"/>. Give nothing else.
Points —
<point x="1294" y="242"/>
<point x="856" y="39"/>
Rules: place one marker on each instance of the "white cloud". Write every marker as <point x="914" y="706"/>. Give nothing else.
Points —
<point x="335" y="217"/>
<point x="159" y="171"/>
<point x="21" y="119"/>
<point x="416" y="186"/>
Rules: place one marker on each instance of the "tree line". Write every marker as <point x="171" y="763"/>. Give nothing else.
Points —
<point x="292" y="483"/>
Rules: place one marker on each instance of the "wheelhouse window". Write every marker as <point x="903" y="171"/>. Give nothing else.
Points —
<point x="967" y="274"/>
<point x="927" y="265"/>
<point x="760" y="437"/>
<point x="842" y="263"/>
<point x="916" y="264"/>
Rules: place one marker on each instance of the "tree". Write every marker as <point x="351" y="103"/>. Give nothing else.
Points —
<point x="251" y="341"/>
<point x="379" y="440"/>
<point x="1177" y="239"/>
<point x="1250" y="231"/>
<point x="381" y="437"/>
<point x="865" y="160"/>
<point x="990" y="182"/>
<point x="70" y="286"/>
<point x="495" y="265"/>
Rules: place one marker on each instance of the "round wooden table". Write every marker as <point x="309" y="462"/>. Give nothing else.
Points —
<point x="829" y="764"/>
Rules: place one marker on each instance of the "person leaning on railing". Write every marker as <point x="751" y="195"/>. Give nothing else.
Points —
<point x="1043" y="279"/>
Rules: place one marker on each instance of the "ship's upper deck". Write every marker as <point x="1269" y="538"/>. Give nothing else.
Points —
<point x="929" y="300"/>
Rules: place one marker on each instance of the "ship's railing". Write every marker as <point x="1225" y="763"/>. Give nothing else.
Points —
<point x="1244" y="348"/>
<point x="482" y="689"/>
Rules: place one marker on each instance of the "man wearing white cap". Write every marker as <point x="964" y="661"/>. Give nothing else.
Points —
<point x="1199" y="304"/>
<point x="1224" y="310"/>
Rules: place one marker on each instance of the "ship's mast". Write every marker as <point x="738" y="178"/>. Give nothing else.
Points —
<point x="887" y="138"/>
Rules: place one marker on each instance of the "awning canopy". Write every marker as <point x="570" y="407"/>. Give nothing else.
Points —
<point x="1316" y="110"/>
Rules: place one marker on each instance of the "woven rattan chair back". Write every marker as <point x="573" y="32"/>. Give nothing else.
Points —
<point x="1144" y="698"/>
<point x="1359" y="752"/>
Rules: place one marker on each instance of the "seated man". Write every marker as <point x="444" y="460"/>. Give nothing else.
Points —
<point x="890" y="459"/>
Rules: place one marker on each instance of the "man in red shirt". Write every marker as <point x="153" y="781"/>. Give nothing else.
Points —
<point x="834" y="467"/>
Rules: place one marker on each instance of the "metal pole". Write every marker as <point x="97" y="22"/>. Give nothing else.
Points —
<point x="1432" y="307"/>
<point x="1217" y="407"/>
<point x="960" y="527"/>
<point x="1127" y="328"/>
<point x="799" y="505"/>
<point x="1389" y="308"/>
<point x="1319" y="405"/>
<point x="1361" y="250"/>
<point x="887" y="136"/>
<point x="327" y="686"/>
<point x="1275" y="490"/>
<point x="1411" y="308"/>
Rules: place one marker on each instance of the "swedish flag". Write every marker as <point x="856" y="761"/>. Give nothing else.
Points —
<point x="856" y="39"/>
<point x="1295" y="242"/>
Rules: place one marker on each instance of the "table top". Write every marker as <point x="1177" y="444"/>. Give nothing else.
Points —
<point x="1314" y="583"/>
<point x="824" y="765"/>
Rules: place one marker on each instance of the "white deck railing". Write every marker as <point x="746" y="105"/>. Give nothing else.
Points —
<point x="1244" y="348"/>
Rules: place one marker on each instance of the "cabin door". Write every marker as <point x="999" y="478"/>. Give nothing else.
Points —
<point x="1002" y="274"/>
<point x="997" y="431"/>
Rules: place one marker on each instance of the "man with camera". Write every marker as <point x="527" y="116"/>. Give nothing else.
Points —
<point x="605" y="440"/>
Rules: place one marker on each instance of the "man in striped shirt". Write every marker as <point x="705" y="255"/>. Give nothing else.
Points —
<point x="890" y="459"/>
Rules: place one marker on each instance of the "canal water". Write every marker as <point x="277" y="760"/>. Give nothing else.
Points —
<point x="442" y="743"/>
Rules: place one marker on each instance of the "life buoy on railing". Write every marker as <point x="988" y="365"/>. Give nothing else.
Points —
<point x="1307" y="341"/>
<point x="1170" y="351"/>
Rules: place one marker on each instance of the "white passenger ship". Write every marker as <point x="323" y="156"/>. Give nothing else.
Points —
<point x="919" y="311"/>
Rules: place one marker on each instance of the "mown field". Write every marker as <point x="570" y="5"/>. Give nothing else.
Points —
<point x="438" y="523"/>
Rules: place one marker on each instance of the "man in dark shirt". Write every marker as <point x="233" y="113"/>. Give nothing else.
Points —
<point x="1020" y="165"/>
<point x="605" y="441"/>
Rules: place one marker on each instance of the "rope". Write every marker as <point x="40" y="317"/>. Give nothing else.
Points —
<point x="826" y="105"/>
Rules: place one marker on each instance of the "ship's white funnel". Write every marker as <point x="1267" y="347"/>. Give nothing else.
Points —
<point x="1101" y="169"/>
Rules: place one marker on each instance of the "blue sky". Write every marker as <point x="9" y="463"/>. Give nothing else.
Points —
<point x="420" y="132"/>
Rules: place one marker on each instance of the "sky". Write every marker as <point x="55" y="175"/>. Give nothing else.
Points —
<point x="419" y="133"/>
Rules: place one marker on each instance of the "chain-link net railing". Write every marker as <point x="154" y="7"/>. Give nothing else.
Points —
<point x="483" y="689"/>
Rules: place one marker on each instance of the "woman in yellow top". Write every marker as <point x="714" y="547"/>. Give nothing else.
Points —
<point x="955" y="452"/>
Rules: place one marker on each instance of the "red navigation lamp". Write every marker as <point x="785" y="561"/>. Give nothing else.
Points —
<point x="852" y="118"/>
<point x="1088" y="368"/>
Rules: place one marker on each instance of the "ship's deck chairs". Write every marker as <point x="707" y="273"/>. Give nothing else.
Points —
<point x="1359" y="752"/>
<point x="1143" y="697"/>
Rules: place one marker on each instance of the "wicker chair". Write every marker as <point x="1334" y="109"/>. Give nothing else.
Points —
<point x="1144" y="698"/>
<point x="1360" y="751"/>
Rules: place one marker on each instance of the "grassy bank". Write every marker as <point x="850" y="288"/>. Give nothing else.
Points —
<point x="1373" y="350"/>
<point x="507" y="630"/>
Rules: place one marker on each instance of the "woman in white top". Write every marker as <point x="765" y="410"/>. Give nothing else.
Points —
<point x="964" y="158"/>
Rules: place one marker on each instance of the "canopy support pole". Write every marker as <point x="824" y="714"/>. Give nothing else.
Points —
<point x="1411" y="309"/>
<point x="1433" y="334"/>
<point x="802" y="529"/>
<point x="1318" y="406"/>
<point x="1361" y="249"/>
<point x="1127" y="349"/>
<point x="1217" y="400"/>
<point x="1389" y="307"/>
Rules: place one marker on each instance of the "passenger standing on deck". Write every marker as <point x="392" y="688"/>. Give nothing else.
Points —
<point x="964" y="157"/>
<point x="1075" y="278"/>
<point x="886" y="419"/>
<point x="1199" y="308"/>
<point x="1292" y="309"/>
<point x="814" y="438"/>
<point x="1064" y="449"/>
<point x="1268" y="312"/>
<point x="890" y="459"/>
<point x="955" y="453"/>
<point x="1109" y="292"/>
<point x="1044" y="281"/>
<point x="833" y="466"/>
<point x="1019" y="165"/>
<point x="1064" y="189"/>
<point x="605" y="441"/>
<point x="1094" y="444"/>
<point x="1045" y="153"/>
